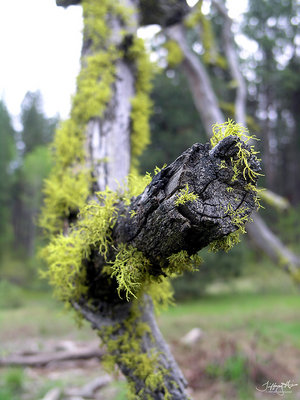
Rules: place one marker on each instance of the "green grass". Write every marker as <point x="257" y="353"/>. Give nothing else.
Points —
<point x="273" y="315"/>
<point x="277" y="315"/>
<point x="273" y="319"/>
<point x="40" y="317"/>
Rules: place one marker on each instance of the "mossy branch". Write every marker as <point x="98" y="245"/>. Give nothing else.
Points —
<point x="188" y="205"/>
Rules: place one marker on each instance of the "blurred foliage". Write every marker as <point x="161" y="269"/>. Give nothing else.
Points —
<point x="235" y="370"/>
<point x="215" y="267"/>
<point x="288" y="224"/>
<point x="37" y="129"/>
<point x="10" y="295"/>
<point x="25" y="161"/>
<point x="11" y="384"/>
<point x="7" y="155"/>
<point x="272" y="72"/>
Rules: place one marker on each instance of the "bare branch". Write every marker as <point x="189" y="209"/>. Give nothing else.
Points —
<point x="204" y="97"/>
<point x="274" y="200"/>
<point x="194" y="224"/>
<point x="234" y="67"/>
<point x="42" y="359"/>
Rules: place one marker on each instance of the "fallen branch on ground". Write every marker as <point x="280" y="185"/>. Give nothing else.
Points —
<point x="42" y="359"/>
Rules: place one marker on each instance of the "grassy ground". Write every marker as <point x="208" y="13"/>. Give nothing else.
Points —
<point x="234" y="326"/>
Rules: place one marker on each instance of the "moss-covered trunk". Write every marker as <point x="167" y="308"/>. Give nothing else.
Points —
<point x="111" y="254"/>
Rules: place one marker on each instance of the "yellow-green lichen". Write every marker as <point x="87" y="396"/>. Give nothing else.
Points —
<point x="124" y="344"/>
<point x="94" y="85"/>
<point x="241" y="161"/>
<point x="184" y="196"/>
<point x="65" y="254"/>
<point x="182" y="261"/>
<point x="130" y="268"/>
<point x="226" y="243"/>
<point x="239" y="217"/>
<point x="175" y="55"/>
<point x="230" y="128"/>
<point x="240" y="165"/>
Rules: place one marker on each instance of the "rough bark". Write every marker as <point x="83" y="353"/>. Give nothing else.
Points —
<point x="174" y="380"/>
<point x="209" y="110"/>
<point x="159" y="228"/>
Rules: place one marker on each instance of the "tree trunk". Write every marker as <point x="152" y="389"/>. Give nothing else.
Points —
<point x="185" y="207"/>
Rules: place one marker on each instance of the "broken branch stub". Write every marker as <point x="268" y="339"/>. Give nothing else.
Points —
<point x="194" y="201"/>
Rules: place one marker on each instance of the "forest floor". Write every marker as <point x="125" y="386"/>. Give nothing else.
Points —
<point x="246" y="340"/>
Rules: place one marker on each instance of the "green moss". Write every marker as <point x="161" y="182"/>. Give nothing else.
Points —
<point x="240" y="166"/>
<point x="65" y="254"/>
<point x="182" y="261"/>
<point x="226" y="243"/>
<point x="184" y="196"/>
<point x="175" y="56"/>
<point x="93" y="92"/>
<point x="124" y="346"/>
<point x="130" y="268"/>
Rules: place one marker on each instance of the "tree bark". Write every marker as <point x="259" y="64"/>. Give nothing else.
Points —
<point x="160" y="228"/>
<point x="174" y="381"/>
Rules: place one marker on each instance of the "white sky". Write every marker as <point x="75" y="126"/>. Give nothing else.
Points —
<point x="40" y="47"/>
